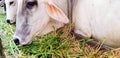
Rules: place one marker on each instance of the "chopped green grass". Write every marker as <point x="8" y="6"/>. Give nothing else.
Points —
<point x="59" y="44"/>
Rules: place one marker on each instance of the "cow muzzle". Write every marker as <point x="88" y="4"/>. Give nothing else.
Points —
<point x="19" y="42"/>
<point x="16" y="41"/>
<point x="10" y="21"/>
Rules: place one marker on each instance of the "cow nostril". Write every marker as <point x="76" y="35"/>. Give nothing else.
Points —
<point x="8" y="21"/>
<point x="16" y="41"/>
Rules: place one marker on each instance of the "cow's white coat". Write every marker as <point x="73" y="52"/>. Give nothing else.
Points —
<point x="99" y="19"/>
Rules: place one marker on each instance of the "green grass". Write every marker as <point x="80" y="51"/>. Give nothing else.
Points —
<point x="59" y="44"/>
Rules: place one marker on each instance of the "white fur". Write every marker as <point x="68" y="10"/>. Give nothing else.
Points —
<point x="99" y="19"/>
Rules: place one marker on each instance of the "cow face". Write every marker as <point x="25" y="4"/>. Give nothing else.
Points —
<point x="11" y="8"/>
<point x="38" y="16"/>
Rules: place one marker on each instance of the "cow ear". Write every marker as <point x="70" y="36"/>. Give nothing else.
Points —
<point x="56" y="13"/>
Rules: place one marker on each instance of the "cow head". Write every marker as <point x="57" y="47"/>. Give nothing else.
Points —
<point x="38" y="16"/>
<point x="11" y="8"/>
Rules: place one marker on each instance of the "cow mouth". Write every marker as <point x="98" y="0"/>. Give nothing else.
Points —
<point x="25" y="44"/>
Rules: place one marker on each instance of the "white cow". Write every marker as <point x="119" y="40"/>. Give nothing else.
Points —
<point x="39" y="16"/>
<point x="99" y="19"/>
<point x="11" y="10"/>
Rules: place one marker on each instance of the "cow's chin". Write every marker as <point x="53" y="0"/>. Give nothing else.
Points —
<point x="50" y="27"/>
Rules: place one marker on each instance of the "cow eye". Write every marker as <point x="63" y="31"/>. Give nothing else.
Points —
<point x="11" y="2"/>
<point x="31" y="4"/>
